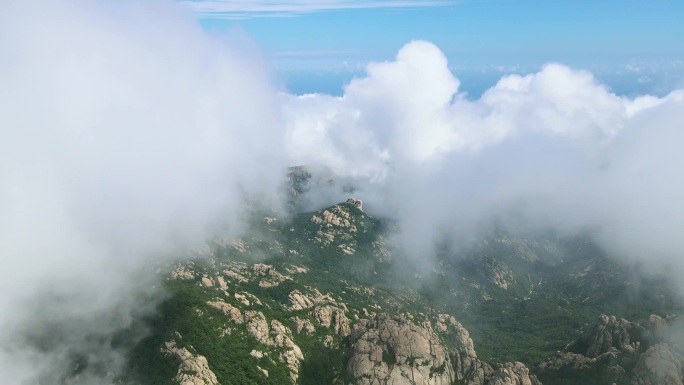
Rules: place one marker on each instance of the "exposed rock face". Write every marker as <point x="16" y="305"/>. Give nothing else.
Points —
<point x="294" y="269"/>
<point x="659" y="365"/>
<point x="657" y="328"/>
<point x="302" y="325"/>
<point x="496" y="272"/>
<point x="467" y="367"/>
<point x="263" y="371"/>
<point x="614" y="348"/>
<point x="221" y="282"/>
<point x="336" y="224"/>
<point x="325" y="310"/>
<point x="242" y="299"/>
<point x="608" y="334"/>
<point x="231" y="311"/>
<point x="335" y="217"/>
<point x="277" y="335"/>
<point x="192" y="370"/>
<point x="271" y="277"/>
<point x="257" y="327"/>
<point x="606" y="348"/>
<point x="282" y="337"/>
<point x="392" y="350"/>
<point x="356" y="202"/>
<point x="239" y="245"/>
<point x="236" y="271"/>
<point x="182" y="272"/>
<point x="610" y="342"/>
<point x="562" y="360"/>
<point x="207" y="282"/>
<point x="512" y="374"/>
<point x="329" y="315"/>
<point x="300" y="301"/>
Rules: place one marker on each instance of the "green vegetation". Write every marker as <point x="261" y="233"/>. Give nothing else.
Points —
<point x="521" y="300"/>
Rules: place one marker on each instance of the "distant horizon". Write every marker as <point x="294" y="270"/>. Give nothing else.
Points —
<point x="474" y="83"/>
<point x="631" y="46"/>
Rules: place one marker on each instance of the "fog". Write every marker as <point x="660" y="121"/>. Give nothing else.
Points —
<point x="550" y="150"/>
<point x="128" y="132"/>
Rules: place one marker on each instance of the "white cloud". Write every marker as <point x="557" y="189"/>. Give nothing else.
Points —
<point x="551" y="149"/>
<point x="411" y="109"/>
<point x="224" y="9"/>
<point x="126" y="131"/>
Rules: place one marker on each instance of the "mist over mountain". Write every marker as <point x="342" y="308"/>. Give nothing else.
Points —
<point x="549" y="149"/>
<point x="130" y="135"/>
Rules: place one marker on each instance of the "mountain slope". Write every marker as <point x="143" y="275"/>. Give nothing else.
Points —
<point x="316" y="298"/>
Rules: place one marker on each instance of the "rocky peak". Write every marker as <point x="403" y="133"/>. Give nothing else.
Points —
<point x="356" y="202"/>
<point x="393" y="350"/>
<point x="627" y="351"/>
<point x="337" y="225"/>
<point x="192" y="369"/>
<point x="608" y="333"/>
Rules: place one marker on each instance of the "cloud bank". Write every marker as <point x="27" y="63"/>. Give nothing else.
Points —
<point x="550" y="149"/>
<point x="127" y="130"/>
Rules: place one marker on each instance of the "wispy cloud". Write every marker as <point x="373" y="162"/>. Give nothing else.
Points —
<point x="315" y="54"/>
<point x="225" y="9"/>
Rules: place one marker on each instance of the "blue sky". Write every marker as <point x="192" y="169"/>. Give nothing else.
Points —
<point x="326" y="42"/>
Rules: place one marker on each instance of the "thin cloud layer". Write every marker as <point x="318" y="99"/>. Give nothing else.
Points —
<point x="223" y="9"/>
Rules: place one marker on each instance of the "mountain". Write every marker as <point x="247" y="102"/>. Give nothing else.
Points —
<point x="320" y="297"/>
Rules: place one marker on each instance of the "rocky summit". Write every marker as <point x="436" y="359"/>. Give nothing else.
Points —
<point x="322" y="297"/>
